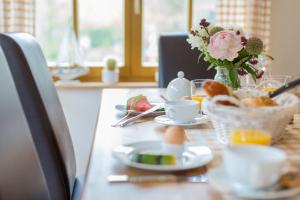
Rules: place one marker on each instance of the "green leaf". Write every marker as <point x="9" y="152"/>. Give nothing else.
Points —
<point x="234" y="78"/>
<point x="199" y="57"/>
<point x="210" y="66"/>
<point x="268" y="56"/>
<point x="243" y="60"/>
<point x="243" y="53"/>
<point x="251" y="71"/>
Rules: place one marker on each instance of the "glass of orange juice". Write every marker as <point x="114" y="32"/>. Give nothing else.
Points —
<point x="250" y="136"/>
<point x="197" y="92"/>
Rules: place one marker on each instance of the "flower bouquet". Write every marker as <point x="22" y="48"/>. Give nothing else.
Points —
<point x="229" y="51"/>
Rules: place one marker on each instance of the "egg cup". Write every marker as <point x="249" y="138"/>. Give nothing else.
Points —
<point x="173" y="149"/>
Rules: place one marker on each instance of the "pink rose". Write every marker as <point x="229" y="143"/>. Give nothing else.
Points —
<point x="225" y="45"/>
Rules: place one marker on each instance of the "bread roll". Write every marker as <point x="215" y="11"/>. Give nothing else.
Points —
<point x="256" y="102"/>
<point x="214" y="88"/>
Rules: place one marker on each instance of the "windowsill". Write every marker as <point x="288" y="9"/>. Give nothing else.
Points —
<point x="100" y="85"/>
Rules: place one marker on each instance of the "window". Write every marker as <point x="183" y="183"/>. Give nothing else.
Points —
<point x="51" y="25"/>
<point x="101" y="29"/>
<point x="160" y="17"/>
<point x="125" y="29"/>
<point x="204" y="9"/>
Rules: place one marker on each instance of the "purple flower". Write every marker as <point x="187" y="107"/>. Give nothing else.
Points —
<point x="204" y="23"/>
<point x="244" y="41"/>
<point x="259" y="74"/>
<point x="241" y="72"/>
<point x="253" y="62"/>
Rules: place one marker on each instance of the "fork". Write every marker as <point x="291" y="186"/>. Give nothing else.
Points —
<point x="151" y="110"/>
<point x="129" y="112"/>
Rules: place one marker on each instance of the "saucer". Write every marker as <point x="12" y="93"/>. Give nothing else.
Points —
<point x="164" y="119"/>
<point x="192" y="157"/>
<point x="220" y="181"/>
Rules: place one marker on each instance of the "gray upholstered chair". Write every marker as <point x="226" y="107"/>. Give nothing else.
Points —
<point x="41" y="120"/>
<point x="21" y="172"/>
<point x="175" y="55"/>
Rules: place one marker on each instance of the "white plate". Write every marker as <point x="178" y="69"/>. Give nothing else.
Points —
<point x="164" y="119"/>
<point x="192" y="157"/>
<point x="123" y="108"/>
<point x="219" y="180"/>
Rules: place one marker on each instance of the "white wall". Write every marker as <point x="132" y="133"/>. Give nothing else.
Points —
<point x="285" y="37"/>
<point x="81" y="106"/>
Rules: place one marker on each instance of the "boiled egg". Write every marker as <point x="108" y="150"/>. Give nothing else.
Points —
<point x="174" y="135"/>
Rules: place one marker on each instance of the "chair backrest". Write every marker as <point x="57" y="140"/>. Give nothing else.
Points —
<point x="21" y="173"/>
<point x="43" y="111"/>
<point x="175" y="55"/>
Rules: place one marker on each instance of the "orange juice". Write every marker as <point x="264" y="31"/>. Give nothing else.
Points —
<point x="269" y="89"/>
<point x="250" y="137"/>
<point x="199" y="99"/>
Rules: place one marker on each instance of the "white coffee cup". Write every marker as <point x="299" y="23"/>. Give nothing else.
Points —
<point x="253" y="166"/>
<point x="182" y="111"/>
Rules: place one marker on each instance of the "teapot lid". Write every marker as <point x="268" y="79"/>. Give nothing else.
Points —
<point x="178" y="87"/>
<point x="180" y="74"/>
<point x="180" y="80"/>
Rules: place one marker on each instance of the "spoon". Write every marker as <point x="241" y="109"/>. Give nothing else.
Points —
<point x="164" y="98"/>
<point x="284" y="88"/>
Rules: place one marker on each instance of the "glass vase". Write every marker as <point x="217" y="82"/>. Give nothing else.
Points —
<point x="223" y="76"/>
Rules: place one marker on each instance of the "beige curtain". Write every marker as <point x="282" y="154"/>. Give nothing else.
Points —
<point x="17" y="16"/>
<point x="252" y="15"/>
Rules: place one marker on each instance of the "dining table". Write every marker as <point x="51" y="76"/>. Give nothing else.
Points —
<point x="102" y="163"/>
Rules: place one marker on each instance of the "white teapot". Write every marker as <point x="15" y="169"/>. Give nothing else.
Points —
<point x="178" y="88"/>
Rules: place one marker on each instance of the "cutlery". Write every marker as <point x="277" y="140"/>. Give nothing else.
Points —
<point x="164" y="98"/>
<point x="124" y="123"/>
<point x="156" y="178"/>
<point x="284" y="88"/>
<point x="123" y="118"/>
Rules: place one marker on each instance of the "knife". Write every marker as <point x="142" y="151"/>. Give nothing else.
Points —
<point x="285" y="87"/>
<point x="156" y="178"/>
<point x="124" y="123"/>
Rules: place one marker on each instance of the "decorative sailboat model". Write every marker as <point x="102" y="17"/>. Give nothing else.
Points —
<point x="70" y="62"/>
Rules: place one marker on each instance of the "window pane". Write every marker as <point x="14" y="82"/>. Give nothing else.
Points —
<point x="160" y="16"/>
<point x="204" y="9"/>
<point x="51" y="25"/>
<point x="101" y="25"/>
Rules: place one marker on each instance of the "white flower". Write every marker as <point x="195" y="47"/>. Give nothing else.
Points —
<point x="195" y="41"/>
<point x="201" y="31"/>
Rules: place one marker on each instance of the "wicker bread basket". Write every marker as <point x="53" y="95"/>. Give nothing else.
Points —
<point x="272" y="119"/>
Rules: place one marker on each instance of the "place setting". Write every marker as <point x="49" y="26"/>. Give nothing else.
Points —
<point x="182" y="113"/>
<point x="172" y="154"/>
<point x="181" y="106"/>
